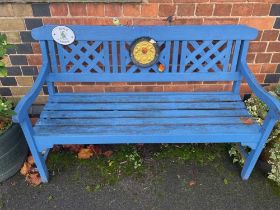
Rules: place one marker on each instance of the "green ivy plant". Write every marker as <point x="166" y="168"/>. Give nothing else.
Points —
<point x="258" y="110"/>
<point x="3" y="51"/>
<point x="236" y="155"/>
<point x="274" y="161"/>
<point x="6" y="112"/>
<point x="6" y="106"/>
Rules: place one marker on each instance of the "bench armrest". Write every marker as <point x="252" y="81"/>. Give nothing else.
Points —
<point x="24" y="104"/>
<point x="272" y="102"/>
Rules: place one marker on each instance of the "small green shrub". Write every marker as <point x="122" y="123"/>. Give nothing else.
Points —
<point x="274" y="161"/>
<point x="236" y="155"/>
<point x="258" y="110"/>
<point x="5" y="105"/>
<point x="3" y="51"/>
<point x="6" y="112"/>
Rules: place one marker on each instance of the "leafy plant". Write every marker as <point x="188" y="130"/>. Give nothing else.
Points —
<point x="5" y="105"/>
<point x="236" y="155"/>
<point x="6" y="111"/>
<point x="3" y="51"/>
<point x="258" y="110"/>
<point x="277" y="90"/>
<point x="274" y="161"/>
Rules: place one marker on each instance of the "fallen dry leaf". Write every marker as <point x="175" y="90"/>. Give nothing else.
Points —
<point x="161" y="67"/>
<point x="85" y="153"/>
<point x="34" y="120"/>
<point x="33" y="179"/>
<point x="66" y="146"/>
<point x="25" y="169"/>
<point x="73" y="147"/>
<point x="2" y="125"/>
<point x="108" y="153"/>
<point x="246" y="120"/>
<point x="95" y="149"/>
<point x="56" y="148"/>
<point x="30" y="160"/>
<point x="33" y="170"/>
<point x="192" y="183"/>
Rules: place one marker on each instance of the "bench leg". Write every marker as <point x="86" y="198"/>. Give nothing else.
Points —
<point x="38" y="157"/>
<point x="252" y="158"/>
<point x="250" y="164"/>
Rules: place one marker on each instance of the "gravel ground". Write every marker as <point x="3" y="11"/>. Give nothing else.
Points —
<point x="167" y="185"/>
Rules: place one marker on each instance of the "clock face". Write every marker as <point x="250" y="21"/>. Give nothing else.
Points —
<point x="144" y="52"/>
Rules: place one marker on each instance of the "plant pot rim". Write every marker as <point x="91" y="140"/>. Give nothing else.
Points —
<point x="11" y="128"/>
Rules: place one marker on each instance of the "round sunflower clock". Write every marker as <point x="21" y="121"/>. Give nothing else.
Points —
<point x="144" y="52"/>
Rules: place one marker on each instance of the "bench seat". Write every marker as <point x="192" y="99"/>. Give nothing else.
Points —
<point x="145" y="117"/>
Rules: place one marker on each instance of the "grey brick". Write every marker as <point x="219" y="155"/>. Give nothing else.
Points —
<point x="41" y="9"/>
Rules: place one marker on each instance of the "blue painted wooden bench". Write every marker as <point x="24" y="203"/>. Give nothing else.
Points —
<point x="189" y="53"/>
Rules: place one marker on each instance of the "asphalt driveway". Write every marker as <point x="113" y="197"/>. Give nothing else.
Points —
<point x="166" y="185"/>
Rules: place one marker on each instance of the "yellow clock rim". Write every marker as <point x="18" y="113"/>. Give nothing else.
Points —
<point x="150" y="62"/>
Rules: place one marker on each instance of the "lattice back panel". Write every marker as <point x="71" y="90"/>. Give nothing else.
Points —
<point x="113" y="57"/>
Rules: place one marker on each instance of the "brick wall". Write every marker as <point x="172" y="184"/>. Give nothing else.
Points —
<point x="16" y="20"/>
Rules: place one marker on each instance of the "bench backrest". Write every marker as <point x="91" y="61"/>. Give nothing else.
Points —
<point x="188" y="53"/>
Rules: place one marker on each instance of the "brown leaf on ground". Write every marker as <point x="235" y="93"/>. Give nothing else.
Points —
<point x="108" y="153"/>
<point x="56" y="148"/>
<point x="140" y="145"/>
<point x="2" y="125"/>
<point x="33" y="170"/>
<point x="25" y="169"/>
<point x="76" y="148"/>
<point x="246" y="120"/>
<point x="33" y="179"/>
<point x="95" y="149"/>
<point x="73" y="147"/>
<point x="30" y="160"/>
<point x="34" y="120"/>
<point x="192" y="183"/>
<point x="85" y="153"/>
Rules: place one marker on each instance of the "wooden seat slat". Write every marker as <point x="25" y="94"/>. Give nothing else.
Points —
<point x="144" y="114"/>
<point x="142" y="97"/>
<point x="142" y="121"/>
<point x="145" y="129"/>
<point x="145" y="106"/>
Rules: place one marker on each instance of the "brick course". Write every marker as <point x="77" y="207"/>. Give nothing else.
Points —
<point x="18" y="19"/>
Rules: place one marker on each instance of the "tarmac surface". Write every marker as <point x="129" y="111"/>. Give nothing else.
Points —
<point x="172" y="185"/>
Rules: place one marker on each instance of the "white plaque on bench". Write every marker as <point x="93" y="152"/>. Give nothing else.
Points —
<point x="63" y="35"/>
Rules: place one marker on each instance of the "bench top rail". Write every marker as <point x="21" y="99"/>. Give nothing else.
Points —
<point x="187" y="53"/>
<point x="129" y="33"/>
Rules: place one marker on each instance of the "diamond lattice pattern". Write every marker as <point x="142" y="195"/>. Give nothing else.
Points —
<point x="175" y="56"/>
